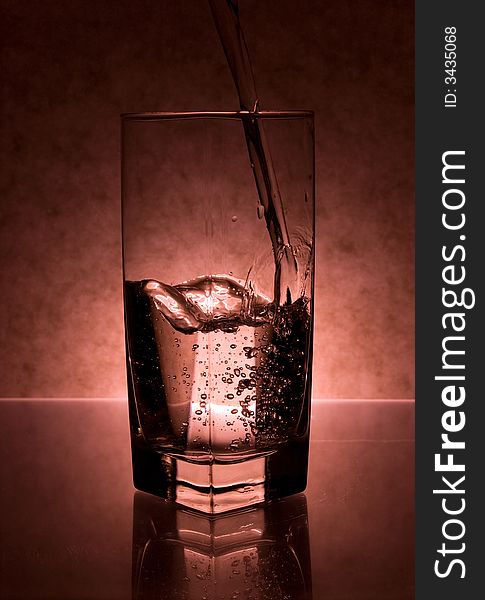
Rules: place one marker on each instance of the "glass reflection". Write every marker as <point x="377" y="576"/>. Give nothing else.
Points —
<point x="256" y="554"/>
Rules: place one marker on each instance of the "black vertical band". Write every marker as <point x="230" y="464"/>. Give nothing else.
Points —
<point x="450" y="252"/>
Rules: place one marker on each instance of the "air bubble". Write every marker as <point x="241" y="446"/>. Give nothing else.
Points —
<point x="250" y="352"/>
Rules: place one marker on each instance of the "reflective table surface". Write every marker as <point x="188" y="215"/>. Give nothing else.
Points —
<point x="72" y="526"/>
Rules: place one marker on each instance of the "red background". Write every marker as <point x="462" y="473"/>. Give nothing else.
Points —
<point x="71" y="67"/>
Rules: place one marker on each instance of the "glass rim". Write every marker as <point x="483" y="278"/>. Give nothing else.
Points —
<point x="240" y="114"/>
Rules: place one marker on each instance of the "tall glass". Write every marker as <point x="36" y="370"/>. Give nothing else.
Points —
<point x="218" y="311"/>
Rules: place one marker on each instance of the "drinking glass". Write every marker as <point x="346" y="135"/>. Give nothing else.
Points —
<point x="218" y="310"/>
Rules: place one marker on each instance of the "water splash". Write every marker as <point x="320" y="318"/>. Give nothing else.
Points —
<point x="208" y="303"/>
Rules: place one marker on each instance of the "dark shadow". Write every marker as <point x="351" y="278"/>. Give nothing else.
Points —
<point x="261" y="553"/>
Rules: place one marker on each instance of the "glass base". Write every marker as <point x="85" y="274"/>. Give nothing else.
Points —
<point x="214" y="488"/>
